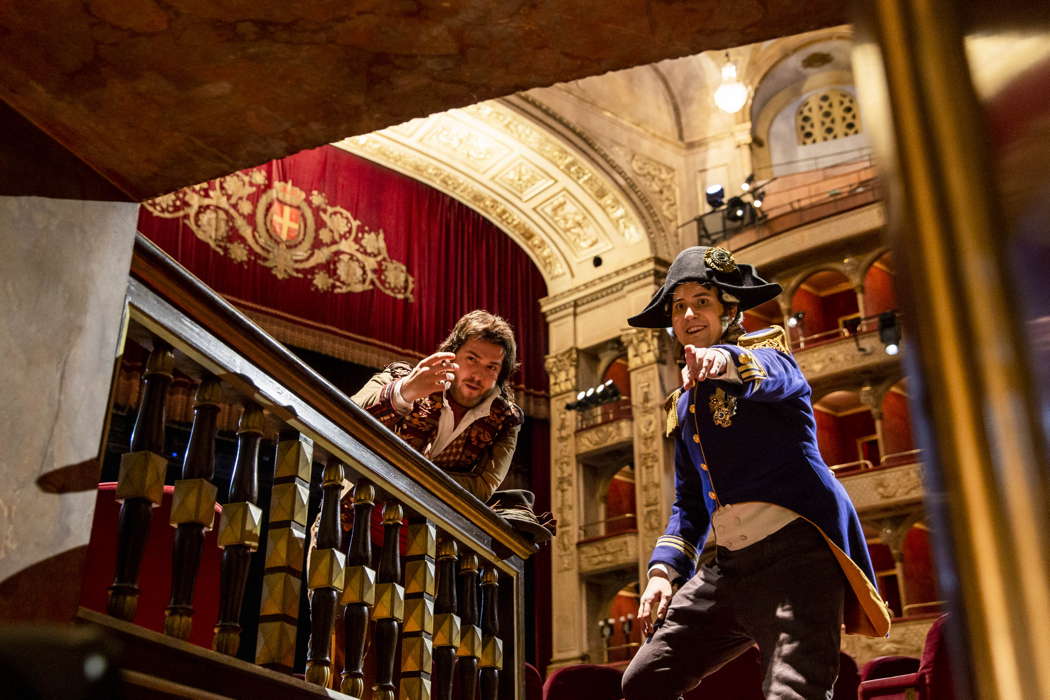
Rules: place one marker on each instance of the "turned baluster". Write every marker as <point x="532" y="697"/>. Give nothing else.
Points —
<point x="492" y="646"/>
<point x="327" y="566"/>
<point x="359" y="591"/>
<point x="417" y="638"/>
<point x="193" y="508"/>
<point x="140" y="487"/>
<point x="446" y="621"/>
<point x="239" y="530"/>
<point x="390" y="604"/>
<point x="469" y="651"/>
<point x="285" y="552"/>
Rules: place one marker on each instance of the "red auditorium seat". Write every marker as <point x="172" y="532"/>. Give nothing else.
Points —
<point x="155" y="573"/>
<point x="588" y="681"/>
<point x="932" y="680"/>
<point x="533" y="683"/>
<point x="887" y="666"/>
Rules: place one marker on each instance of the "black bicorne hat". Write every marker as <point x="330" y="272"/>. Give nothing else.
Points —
<point x="706" y="265"/>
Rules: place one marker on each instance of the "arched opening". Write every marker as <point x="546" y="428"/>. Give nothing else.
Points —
<point x="898" y="441"/>
<point x="887" y="575"/>
<point x="880" y="294"/>
<point x="819" y="308"/>
<point x="921" y="596"/>
<point x="846" y="432"/>
<point x="620" y="630"/>
<point x="763" y="316"/>
<point x="620" y="503"/>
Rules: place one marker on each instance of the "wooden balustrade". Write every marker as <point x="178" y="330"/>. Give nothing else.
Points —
<point x="327" y="566"/>
<point x="491" y="645"/>
<point x="390" y="603"/>
<point x="359" y="591"/>
<point x="469" y="652"/>
<point x="285" y="551"/>
<point x="443" y="622"/>
<point x="193" y="508"/>
<point x="141" y="483"/>
<point x="420" y="585"/>
<point x="240" y="529"/>
<point x="446" y="620"/>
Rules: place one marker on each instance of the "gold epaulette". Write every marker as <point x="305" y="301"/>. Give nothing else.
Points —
<point x="672" y="412"/>
<point x="773" y="337"/>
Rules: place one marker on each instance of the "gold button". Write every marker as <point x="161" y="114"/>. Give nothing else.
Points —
<point x="711" y="495"/>
<point x="696" y="438"/>
<point x="692" y="408"/>
<point x="704" y="467"/>
<point x="744" y="357"/>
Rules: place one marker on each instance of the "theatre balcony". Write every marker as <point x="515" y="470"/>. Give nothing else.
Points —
<point x="252" y="520"/>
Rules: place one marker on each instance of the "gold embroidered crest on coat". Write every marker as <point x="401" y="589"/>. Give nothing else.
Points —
<point x="723" y="408"/>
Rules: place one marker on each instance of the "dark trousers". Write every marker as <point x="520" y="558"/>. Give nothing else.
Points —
<point x="784" y="593"/>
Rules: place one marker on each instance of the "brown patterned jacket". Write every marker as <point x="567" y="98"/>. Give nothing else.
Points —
<point x="478" y="459"/>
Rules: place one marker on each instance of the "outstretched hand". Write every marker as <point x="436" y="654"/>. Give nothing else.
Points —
<point x="432" y="374"/>
<point x="703" y="363"/>
<point x="655" y="599"/>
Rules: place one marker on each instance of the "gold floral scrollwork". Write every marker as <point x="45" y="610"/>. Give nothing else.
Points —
<point x="562" y="370"/>
<point x="288" y="231"/>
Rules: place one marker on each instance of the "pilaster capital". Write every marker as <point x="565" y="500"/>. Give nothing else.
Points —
<point x="645" y="346"/>
<point x="562" y="370"/>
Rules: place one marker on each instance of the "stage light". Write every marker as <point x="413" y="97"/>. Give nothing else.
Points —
<point x="890" y="332"/>
<point x="604" y="393"/>
<point x="735" y="209"/>
<point x="759" y="197"/>
<point x="746" y="186"/>
<point x="716" y="196"/>
<point x="795" y="319"/>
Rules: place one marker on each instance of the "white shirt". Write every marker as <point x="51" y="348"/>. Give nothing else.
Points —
<point x="447" y="430"/>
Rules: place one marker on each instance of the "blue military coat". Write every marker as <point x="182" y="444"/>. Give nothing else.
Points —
<point x="757" y="441"/>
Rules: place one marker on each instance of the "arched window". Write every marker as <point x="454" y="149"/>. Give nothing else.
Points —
<point x="826" y="116"/>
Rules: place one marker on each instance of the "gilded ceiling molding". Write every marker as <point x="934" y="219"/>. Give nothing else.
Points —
<point x="567" y="162"/>
<point x="660" y="238"/>
<point x="561" y="204"/>
<point x="384" y="148"/>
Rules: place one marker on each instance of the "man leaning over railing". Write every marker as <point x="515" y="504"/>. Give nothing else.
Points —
<point x="456" y="406"/>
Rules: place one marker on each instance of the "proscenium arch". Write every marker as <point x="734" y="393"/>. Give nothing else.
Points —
<point x="554" y="196"/>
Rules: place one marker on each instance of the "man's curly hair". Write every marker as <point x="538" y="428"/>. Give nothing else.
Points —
<point x="492" y="329"/>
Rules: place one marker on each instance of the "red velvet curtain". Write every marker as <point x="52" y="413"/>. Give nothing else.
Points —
<point x="283" y="237"/>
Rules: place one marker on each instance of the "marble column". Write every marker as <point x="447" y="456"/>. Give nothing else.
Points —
<point x="569" y="640"/>
<point x="653" y="376"/>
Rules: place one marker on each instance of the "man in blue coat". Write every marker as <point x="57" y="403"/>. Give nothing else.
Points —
<point x="791" y="565"/>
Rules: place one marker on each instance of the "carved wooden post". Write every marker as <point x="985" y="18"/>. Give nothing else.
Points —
<point x="285" y="552"/>
<point x="446" y="621"/>
<point x="390" y="603"/>
<point x="359" y="591"/>
<point x="417" y="642"/>
<point x="239" y="530"/>
<point x="193" y="508"/>
<point x="327" y="565"/>
<point x="469" y="651"/>
<point x="141" y="483"/>
<point x="492" y="645"/>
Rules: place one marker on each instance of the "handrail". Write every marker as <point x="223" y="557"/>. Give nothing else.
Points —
<point x="899" y="455"/>
<point x="308" y="398"/>
<point x="194" y="336"/>
<point x="861" y="465"/>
